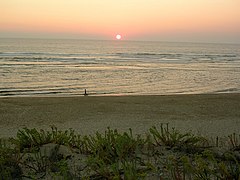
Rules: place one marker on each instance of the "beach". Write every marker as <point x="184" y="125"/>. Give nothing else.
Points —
<point x="211" y="115"/>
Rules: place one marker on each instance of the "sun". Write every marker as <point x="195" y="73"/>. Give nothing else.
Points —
<point x="118" y="36"/>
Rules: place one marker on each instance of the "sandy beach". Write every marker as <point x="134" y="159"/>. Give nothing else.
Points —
<point x="211" y="115"/>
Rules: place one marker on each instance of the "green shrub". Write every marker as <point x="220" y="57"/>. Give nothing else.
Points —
<point x="173" y="138"/>
<point x="32" y="138"/>
<point x="9" y="161"/>
<point x="162" y="153"/>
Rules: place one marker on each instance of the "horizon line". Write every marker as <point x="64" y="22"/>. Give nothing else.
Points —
<point x="123" y="40"/>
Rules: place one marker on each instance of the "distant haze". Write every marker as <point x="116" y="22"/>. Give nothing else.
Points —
<point x="161" y="20"/>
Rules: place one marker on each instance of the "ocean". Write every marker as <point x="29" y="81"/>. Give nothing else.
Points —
<point x="44" y="67"/>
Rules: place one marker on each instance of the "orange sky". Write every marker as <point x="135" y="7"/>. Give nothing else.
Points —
<point x="180" y="20"/>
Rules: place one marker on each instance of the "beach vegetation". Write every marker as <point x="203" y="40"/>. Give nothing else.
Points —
<point x="174" y="139"/>
<point x="32" y="139"/>
<point x="161" y="153"/>
<point x="234" y="141"/>
<point x="9" y="161"/>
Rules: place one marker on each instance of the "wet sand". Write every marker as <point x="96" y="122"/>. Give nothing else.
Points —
<point x="207" y="114"/>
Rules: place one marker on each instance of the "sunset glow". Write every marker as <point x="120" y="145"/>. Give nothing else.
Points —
<point x="139" y="19"/>
<point x="118" y="37"/>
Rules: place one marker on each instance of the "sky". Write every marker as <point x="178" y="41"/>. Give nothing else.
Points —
<point x="160" y="20"/>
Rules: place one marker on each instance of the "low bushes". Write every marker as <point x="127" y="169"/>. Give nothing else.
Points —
<point x="163" y="153"/>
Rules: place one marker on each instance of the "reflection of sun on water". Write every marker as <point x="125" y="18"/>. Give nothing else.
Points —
<point x="118" y="37"/>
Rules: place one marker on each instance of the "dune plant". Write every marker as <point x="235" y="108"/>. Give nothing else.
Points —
<point x="125" y="169"/>
<point x="66" y="137"/>
<point x="113" y="152"/>
<point x="131" y="170"/>
<point x="230" y="168"/>
<point x="175" y="168"/>
<point x="162" y="153"/>
<point x="9" y="161"/>
<point x="32" y="138"/>
<point x="40" y="163"/>
<point x="208" y="166"/>
<point x="36" y="163"/>
<point x="173" y="138"/>
<point x="234" y="141"/>
<point x="113" y="146"/>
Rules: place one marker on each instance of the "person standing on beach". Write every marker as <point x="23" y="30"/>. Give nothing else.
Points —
<point x="85" y="92"/>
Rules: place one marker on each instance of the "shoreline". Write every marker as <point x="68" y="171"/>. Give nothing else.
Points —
<point x="59" y="95"/>
<point x="205" y="114"/>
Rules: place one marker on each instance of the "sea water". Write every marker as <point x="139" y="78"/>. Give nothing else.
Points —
<point x="38" y="67"/>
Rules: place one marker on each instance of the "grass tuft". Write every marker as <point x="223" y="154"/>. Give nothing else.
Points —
<point x="162" y="153"/>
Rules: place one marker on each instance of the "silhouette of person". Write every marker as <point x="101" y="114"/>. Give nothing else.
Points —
<point x="85" y="93"/>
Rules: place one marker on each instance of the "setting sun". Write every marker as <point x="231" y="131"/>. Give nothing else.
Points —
<point x="118" y="37"/>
